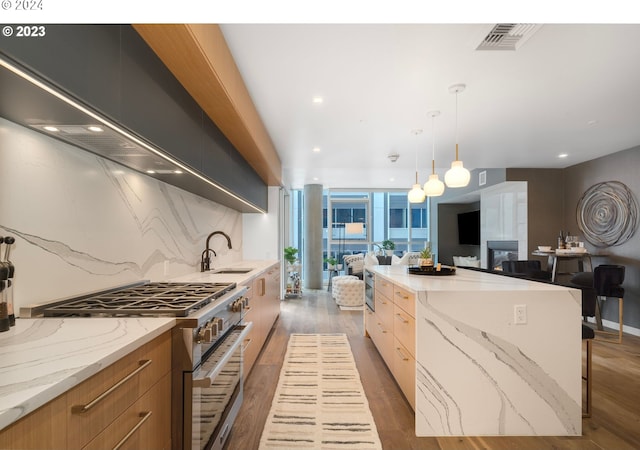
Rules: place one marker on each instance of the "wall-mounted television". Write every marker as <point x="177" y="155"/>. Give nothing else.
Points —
<point x="469" y="228"/>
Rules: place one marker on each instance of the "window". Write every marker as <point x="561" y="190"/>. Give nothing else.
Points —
<point x="385" y="215"/>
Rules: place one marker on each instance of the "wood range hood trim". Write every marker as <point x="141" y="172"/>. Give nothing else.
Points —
<point x="198" y="56"/>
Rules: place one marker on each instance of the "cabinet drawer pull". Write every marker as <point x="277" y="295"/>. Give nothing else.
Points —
<point x="246" y="345"/>
<point x="402" y="296"/>
<point x="399" y="316"/>
<point x="143" y="418"/>
<point x="263" y="286"/>
<point x="81" y="409"/>
<point x="399" y="352"/>
<point x="380" y="327"/>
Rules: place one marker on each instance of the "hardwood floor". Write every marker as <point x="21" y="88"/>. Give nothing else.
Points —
<point x="614" y="425"/>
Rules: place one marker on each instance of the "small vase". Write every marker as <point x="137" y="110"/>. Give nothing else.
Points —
<point x="426" y="262"/>
<point x="389" y="252"/>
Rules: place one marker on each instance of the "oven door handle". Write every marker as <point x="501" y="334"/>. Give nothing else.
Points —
<point x="207" y="380"/>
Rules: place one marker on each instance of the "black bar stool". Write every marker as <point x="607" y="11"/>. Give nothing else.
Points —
<point x="587" y="336"/>
<point x="607" y="281"/>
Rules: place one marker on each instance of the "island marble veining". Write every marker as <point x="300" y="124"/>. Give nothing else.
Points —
<point x="480" y="373"/>
<point x="43" y="358"/>
<point x="84" y="223"/>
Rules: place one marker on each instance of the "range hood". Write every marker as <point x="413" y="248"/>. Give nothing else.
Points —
<point x="36" y="104"/>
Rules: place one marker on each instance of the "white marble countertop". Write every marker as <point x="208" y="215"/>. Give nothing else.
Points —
<point x="43" y="358"/>
<point x="257" y="267"/>
<point x="463" y="280"/>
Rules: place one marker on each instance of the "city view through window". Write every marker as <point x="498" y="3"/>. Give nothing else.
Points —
<point x="358" y="222"/>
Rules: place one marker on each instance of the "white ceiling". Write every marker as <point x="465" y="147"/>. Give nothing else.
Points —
<point x="568" y="89"/>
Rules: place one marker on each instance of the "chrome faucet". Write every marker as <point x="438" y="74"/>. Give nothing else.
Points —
<point x="205" y="262"/>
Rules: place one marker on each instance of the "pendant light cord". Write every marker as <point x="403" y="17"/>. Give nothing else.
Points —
<point x="456" y="125"/>
<point x="433" y="150"/>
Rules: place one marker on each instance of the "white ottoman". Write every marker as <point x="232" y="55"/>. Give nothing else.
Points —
<point x="349" y="292"/>
<point x="338" y="278"/>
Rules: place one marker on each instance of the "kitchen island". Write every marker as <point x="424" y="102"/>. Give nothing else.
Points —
<point x="477" y="371"/>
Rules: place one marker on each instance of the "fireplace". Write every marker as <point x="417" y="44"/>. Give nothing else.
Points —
<point x="498" y="251"/>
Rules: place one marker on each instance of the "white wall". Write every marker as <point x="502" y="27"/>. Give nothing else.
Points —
<point x="83" y="223"/>
<point x="503" y="216"/>
<point x="261" y="231"/>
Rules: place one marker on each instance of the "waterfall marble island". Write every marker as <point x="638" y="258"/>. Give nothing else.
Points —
<point x="494" y="355"/>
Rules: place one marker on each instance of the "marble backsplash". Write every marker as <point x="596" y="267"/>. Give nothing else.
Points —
<point x="83" y="223"/>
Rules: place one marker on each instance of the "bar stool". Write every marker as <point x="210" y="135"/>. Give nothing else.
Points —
<point x="587" y="336"/>
<point x="607" y="280"/>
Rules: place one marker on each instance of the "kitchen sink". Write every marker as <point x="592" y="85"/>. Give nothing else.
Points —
<point x="230" y="271"/>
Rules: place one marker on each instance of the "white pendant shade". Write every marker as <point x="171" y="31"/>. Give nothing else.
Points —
<point x="433" y="187"/>
<point x="416" y="194"/>
<point x="457" y="176"/>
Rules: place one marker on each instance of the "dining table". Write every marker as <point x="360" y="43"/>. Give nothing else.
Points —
<point x="554" y="256"/>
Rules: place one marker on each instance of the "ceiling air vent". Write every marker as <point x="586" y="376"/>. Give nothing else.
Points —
<point x="508" y="36"/>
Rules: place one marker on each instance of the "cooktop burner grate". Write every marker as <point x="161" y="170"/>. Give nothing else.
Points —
<point x="152" y="299"/>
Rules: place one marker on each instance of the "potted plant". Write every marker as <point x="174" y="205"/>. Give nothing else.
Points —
<point x="388" y="246"/>
<point x="331" y="262"/>
<point x="290" y="255"/>
<point x="426" y="257"/>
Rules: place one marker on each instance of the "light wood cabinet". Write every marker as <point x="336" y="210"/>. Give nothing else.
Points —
<point x="264" y="304"/>
<point x="252" y="314"/>
<point x="404" y="369"/>
<point x="392" y="329"/>
<point x="109" y="404"/>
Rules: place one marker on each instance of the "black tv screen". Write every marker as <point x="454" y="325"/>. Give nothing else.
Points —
<point x="469" y="228"/>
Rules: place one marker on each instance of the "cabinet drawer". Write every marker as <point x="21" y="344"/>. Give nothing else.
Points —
<point x="404" y="329"/>
<point x="145" y="425"/>
<point x="405" y="300"/>
<point x="383" y="339"/>
<point x="369" y="321"/>
<point x="384" y="310"/>
<point x="46" y="427"/>
<point x="404" y="371"/>
<point x="133" y="375"/>
<point x="384" y="287"/>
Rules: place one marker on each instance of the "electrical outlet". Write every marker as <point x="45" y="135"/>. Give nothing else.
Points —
<point x="520" y="314"/>
<point x="166" y="268"/>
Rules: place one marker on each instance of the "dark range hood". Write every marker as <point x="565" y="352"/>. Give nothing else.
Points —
<point x="32" y="102"/>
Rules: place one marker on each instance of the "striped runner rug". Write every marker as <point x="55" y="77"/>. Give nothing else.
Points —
<point x="319" y="402"/>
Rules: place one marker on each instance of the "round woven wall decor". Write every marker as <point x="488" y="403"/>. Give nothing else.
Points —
<point x="607" y="214"/>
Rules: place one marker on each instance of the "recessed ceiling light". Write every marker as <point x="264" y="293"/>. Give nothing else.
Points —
<point x="317" y="100"/>
<point x="50" y="128"/>
<point x="315" y="178"/>
<point x="316" y="149"/>
<point x="392" y="179"/>
<point x="563" y="155"/>
<point x="151" y="171"/>
<point x="95" y="129"/>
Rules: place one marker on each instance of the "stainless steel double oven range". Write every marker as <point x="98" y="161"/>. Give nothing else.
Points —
<point x="207" y="348"/>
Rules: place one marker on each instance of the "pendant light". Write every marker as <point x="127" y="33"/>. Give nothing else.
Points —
<point x="457" y="176"/>
<point x="416" y="194"/>
<point x="433" y="187"/>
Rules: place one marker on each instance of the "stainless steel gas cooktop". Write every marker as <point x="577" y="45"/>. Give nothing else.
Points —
<point x="151" y="299"/>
